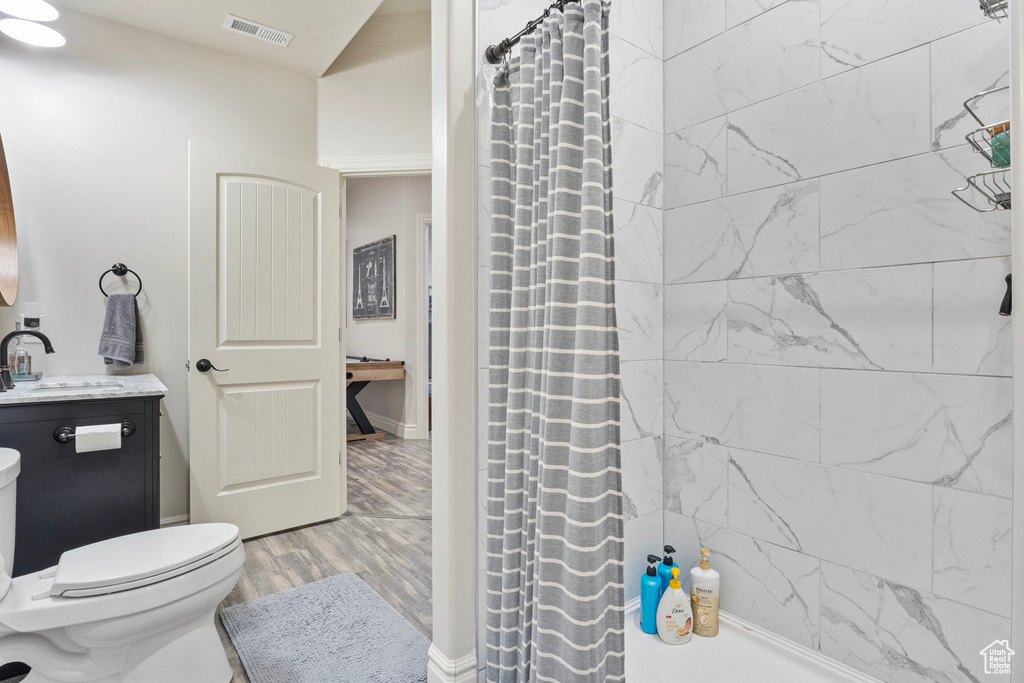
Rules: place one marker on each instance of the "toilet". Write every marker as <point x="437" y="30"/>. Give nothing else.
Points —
<point x="133" y="609"/>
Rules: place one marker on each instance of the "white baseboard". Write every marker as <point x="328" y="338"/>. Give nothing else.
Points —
<point x="403" y="430"/>
<point x="440" y="669"/>
<point x="174" y="520"/>
<point x="798" y="651"/>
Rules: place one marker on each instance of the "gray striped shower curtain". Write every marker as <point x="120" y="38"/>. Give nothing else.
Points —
<point x="554" y="493"/>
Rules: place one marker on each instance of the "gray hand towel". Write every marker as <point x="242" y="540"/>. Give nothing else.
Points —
<point x="121" y="340"/>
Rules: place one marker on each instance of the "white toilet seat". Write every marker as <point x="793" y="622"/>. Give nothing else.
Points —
<point x="28" y="606"/>
<point x="129" y="562"/>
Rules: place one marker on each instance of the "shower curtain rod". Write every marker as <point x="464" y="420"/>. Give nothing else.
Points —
<point x="495" y="53"/>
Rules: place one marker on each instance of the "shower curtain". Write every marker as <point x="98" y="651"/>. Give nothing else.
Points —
<point x="554" y="494"/>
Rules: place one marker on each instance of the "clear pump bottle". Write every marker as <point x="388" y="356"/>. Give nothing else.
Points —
<point x="20" y="361"/>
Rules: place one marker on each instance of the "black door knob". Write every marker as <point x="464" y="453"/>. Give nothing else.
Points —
<point x="204" y="365"/>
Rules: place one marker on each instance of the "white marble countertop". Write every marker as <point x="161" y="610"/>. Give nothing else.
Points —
<point x="82" y="388"/>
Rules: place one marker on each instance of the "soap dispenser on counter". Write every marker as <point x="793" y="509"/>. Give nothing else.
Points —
<point x="20" y="361"/>
<point x="6" y="357"/>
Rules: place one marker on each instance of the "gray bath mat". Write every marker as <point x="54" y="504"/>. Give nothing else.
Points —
<point x="337" y="630"/>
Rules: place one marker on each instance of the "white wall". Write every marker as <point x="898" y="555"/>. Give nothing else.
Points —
<point x="375" y="99"/>
<point x="96" y="135"/>
<point x="377" y="208"/>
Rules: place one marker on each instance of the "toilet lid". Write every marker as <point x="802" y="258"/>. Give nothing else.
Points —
<point x="139" y="559"/>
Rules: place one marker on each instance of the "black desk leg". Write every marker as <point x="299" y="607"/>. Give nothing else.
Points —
<point x="356" y="410"/>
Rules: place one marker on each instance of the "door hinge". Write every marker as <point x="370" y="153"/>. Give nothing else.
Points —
<point x="339" y="457"/>
<point x="188" y="366"/>
<point x="339" y="334"/>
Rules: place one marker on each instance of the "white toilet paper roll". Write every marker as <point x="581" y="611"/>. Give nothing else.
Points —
<point x="97" y="438"/>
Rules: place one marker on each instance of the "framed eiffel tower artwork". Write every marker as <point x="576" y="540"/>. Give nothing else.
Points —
<point x="373" y="280"/>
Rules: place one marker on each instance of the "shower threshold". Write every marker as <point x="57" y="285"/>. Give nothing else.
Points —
<point x="740" y="653"/>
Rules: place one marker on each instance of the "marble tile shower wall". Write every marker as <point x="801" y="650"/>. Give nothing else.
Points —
<point x="638" y="130"/>
<point x="837" y="382"/>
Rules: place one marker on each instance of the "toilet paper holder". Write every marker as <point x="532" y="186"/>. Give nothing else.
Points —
<point x="65" y="434"/>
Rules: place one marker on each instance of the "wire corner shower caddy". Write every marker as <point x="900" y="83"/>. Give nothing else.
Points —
<point x="989" y="190"/>
<point x="995" y="9"/>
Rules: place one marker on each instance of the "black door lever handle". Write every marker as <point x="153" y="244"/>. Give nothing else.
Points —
<point x="204" y="365"/>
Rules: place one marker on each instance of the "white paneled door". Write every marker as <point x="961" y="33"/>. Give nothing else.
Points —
<point x="265" y="413"/>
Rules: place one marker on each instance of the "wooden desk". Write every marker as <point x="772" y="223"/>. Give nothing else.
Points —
<point x="360" y="371"/>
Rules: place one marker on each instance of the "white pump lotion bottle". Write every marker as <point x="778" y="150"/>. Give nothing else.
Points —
<point x="705" y="587"/>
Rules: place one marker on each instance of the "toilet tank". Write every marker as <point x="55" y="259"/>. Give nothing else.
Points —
<point x="10" y="466"/>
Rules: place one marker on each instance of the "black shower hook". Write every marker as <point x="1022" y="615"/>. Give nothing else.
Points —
<point x="1006" y="307"/>
<point x="120" y="270"/>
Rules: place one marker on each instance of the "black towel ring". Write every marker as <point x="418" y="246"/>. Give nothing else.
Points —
<point x="120" y="270"/>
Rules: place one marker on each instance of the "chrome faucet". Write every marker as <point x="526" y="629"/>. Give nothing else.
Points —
<point x="5" y="370"/>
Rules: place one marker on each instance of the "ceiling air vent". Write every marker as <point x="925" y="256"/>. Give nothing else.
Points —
<point x="254" y="30"/>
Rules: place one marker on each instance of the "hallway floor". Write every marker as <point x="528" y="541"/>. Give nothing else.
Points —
<point x="385" y="538"/>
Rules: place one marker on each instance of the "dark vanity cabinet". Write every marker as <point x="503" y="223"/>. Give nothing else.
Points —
<point x="68" y="499"/>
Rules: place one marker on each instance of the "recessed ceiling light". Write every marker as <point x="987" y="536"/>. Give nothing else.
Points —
<point x="33" y="10"/>
<point x="31" y="33"/>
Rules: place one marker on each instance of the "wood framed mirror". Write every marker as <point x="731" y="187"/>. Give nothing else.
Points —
<point x="8" y="237"/>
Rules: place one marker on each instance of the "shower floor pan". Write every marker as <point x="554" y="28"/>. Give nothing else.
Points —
<point x="740" y="653"/>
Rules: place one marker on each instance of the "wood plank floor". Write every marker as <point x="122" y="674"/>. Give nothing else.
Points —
<point x="385" y="539"/>
<point x="389" y="478"/>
